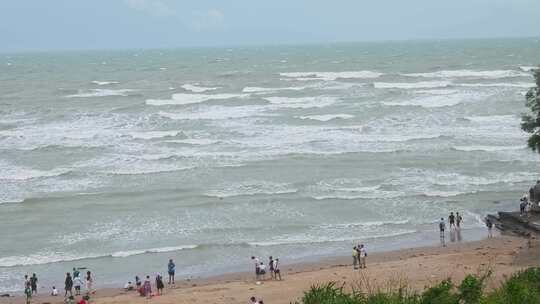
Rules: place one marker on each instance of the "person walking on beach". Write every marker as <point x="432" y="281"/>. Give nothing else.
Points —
<point x="459" y="219"/>
<point x="147" y="287"/>
<point x="33" y="283"/>
<point x="489" y="226"/>
<point x="277" y="272"/>
<point x="355" y="257"/>
<point x="159" y="284"/>
<point x="442" y="226"/>
<point x="26" y="281"/>
<point x="171" y="268"/>
<point x="452" y="220"/>
<point x="362" y="254"/>
<point x="68" y="285"/>
<point x="89" y="282"/>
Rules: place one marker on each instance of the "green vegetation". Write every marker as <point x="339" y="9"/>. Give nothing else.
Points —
<point x="521" y="288"/>
<point x="530" y="123"/>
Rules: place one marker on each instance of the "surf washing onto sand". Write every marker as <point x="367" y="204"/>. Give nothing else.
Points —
<point x="214" y="159"/>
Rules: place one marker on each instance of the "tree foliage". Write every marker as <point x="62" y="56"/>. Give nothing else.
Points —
<point x="530" y="122"/>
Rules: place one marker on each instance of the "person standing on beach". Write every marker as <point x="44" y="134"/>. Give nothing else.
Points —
<point x="355" y="257"/>
<point x="77" y="282"/>
<point x="171" y="269"/>
<point x="489" y="226"/>
<point x="277" y="272"/>
<point x="442" y="226"/>
<point x="452" y="220"/>
<point x="147" y="287"/>
<point x="257" y="266"/>
<point x="33" y="283"/>
<point x="26" y="281"/>
<point x="89" y="282"/>
<point x="271" y="267"/>
<point x="459" y="219"/>
<point x="159" y="284"/>
<point x="362" y="254"/>
<point x="68" y="285"/>
<point x="28" y="294"/>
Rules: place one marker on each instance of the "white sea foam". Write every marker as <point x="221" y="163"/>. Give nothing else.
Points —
<point x="496" y="119"/>
<point x="251" y="188"/>
<point x="103" y="83"/>
<point x="529" y="68"/>
<point x="302" y="102"/>
<point x="155" y="134"/>
<point x="10" y="172"/>
<point x="488" y="148"/>
<point x="327" y="117"/>
<point x="217" y="113"/>
<point x="128" y="253"/>
<point x="194" y="141"/>
<point x="499" y="84"/>
<point x="440" y="193"/>
<point x="329" y="76"/>
<point x="267" y="90"/>
<point x="100" y="93"/>
<point x="493" y="74"/>
<point x="437" y="101"/>
<point x="197" y="88"/>
<point x="185" y="99"/>
<point x="411" y="85"/>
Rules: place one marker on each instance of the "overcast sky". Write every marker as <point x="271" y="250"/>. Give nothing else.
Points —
<point x="83" y="24"/>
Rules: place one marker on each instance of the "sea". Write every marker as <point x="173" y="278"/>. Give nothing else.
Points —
<point x="117" y="160"/>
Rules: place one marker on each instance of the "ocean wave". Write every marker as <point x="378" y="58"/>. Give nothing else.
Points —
<point x="493" y="74"/>
<point x="197" y="88"/>
<point x="500" y="84"/>
<point x="101" y="93"/>
<point x="529" y="68"/>
<point x="496" y="119"/>
<point x="252" y="188"/>
<point x="293" y="241"/>
<point x="329" y="76"/>
<point x="194" y="141"/>
<point x="302" y="102"/>
<point x="269" y="90"/>
<point x="56" y="257"/>
<point x="185" y="99"/>
<point x="487" y="148"/>
<point x="217" y="113"/>
<point x="326" y="117"/>
<point x="440" y="193"/>
<point x="156" y="134"/>
<point x="103" y="83"/>
<point x="437" y="101"/>
<point x="9" y="172"/>
<point x="128" y="253"/>
<point x="411" y="85"/>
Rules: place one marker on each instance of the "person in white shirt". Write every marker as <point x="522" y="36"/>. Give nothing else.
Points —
<point x="77" y="283"/>
<point x="128" y="286"/>
<point x="262" y="270"/>
<point x="54" y="291"/>
<point x="362" y="254"/>
<point x="277" y="272"/>
<point x="257" y="265"/>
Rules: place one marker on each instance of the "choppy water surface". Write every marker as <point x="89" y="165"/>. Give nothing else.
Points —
<point x="118" y="160"/>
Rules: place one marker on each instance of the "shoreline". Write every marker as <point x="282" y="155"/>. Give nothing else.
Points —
<point x="329" y="269"/>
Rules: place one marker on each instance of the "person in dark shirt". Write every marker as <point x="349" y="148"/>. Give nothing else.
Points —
<point x="68" y="285"/>
<point x="452" y="220"/>
<point x="33" y="283"/>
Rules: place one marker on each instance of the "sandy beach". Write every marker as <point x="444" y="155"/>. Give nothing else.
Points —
<point x="419" y="267"/>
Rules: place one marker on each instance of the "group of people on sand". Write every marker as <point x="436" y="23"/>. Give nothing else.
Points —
<point x="359" y="255"/>
<point x="72" y="281"/>
<point x="454" y="223"/>
<point x="261" y="269"/>
<point x="145" y="288"/>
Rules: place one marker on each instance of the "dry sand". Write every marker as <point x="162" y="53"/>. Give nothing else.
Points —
<point x="420" y="267"/>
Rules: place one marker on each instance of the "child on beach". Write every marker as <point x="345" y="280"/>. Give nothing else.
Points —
<point x="159" y="284"/>
<point x="28" y="294"/>
<point x="54" y="292"/>
<point x="262" y="270"/>
<point x="489" y="226"/>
